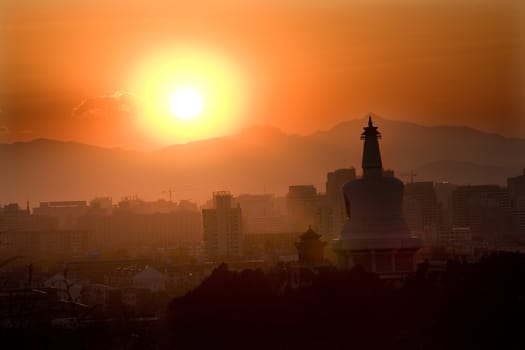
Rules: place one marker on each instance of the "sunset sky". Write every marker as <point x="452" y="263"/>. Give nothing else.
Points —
<point x="105" y="72"/>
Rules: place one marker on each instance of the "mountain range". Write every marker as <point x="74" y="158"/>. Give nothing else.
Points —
<point x="256" y="160"/>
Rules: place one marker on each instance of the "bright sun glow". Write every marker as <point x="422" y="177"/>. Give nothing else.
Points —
<point x="187" y="94"/>
<point x="186" y="103"/>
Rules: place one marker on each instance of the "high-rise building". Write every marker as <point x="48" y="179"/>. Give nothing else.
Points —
<point x="223" y="233"/>
<point x="375" y="235"/>
<point x="484" y="208"/>
<point x="335" y="181"/>
<point x="421" y="207"/>
<point x="303" y="207"/>
<point x="443" y="192"/>
<point x="262" y="213"/>
<point x="516" y="187"/>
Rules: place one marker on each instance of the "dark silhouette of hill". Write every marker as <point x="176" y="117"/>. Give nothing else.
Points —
<point x="257" y="159"/>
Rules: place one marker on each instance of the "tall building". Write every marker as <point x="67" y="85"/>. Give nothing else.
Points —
<point x="444" y="192"/>
<point x="335" y="181"/>
<point x="262" y="213"/>
<point x="223" y="234"/>
<point x="303" y="204"/>
<point x="421" y="207"/>
<point x="516" y="187"/>
<point x="485" y="209"/>
<point x="375" y="234"/>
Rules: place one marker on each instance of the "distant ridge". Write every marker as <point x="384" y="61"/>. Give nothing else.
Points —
<point x="465" y="172"/>
<point x="257" y="159"/>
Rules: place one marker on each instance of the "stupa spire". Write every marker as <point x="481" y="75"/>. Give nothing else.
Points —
<point x="371" y="163"/>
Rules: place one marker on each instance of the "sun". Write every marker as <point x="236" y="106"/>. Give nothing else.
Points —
<point x="187" y="93"/>
<point x="186" y="103"/>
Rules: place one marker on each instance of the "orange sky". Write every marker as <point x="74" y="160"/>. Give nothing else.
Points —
<point x="307" y="64"/>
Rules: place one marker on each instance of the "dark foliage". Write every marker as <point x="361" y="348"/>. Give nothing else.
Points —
<point x="466" y="306"/>
<point x="470" y="306"/>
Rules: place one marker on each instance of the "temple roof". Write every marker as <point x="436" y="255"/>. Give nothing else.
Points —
<point x="310" y="234"/>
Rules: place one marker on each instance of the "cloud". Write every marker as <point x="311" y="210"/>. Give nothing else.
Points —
<point x="109" y="120"/>
<point x="118" y="104"/>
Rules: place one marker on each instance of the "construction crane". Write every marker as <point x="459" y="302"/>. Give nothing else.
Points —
<point x="170" y="192"/>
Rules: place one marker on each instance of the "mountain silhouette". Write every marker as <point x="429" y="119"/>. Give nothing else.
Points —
<point x="258" y="159"/>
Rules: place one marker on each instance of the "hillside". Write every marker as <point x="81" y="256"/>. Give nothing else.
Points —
<point x="256" y="160"/>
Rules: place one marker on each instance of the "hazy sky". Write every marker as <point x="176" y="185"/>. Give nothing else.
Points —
<point x="304" y="65"/>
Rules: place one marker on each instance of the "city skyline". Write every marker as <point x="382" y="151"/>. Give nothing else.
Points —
<point x="372" y="221"/>
<point x="487" y="212"/>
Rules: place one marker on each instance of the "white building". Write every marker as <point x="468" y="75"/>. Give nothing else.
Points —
<point x="223" y="233"/>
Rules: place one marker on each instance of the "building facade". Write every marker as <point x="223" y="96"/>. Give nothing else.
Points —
<point x="423" y="211"/>
<point x="516" y="187"/>
<point x="335" y="181"/>
<point x="67" y="212"/>
<point x="486" y="209"/>
<point x="262" y="213"/>
<point x="223" y="233"/>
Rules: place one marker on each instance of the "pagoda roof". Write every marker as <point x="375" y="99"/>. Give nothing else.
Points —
<point x="310" y="234"/>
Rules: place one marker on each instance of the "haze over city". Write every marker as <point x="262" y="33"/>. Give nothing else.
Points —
<point x="262" y="174"/>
